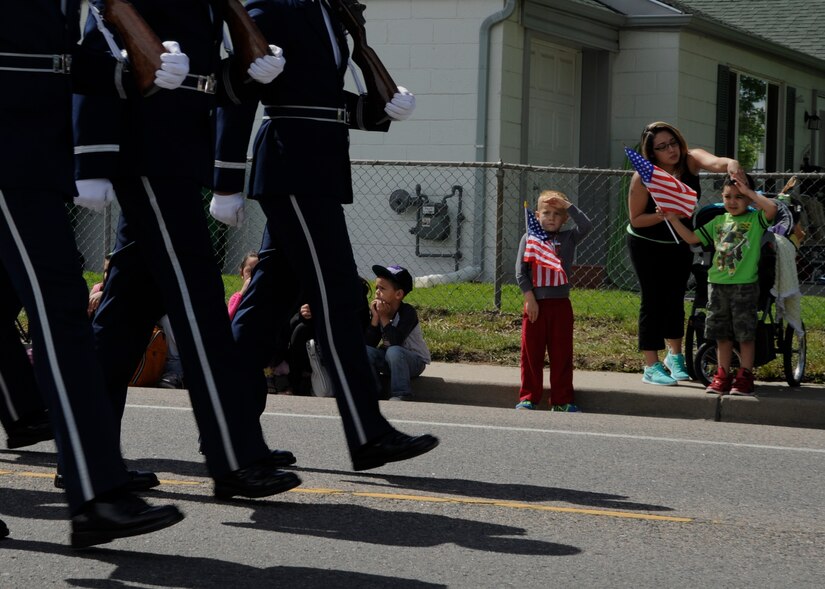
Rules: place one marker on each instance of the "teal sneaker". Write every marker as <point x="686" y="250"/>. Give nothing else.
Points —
<point x="566" y="408"/>
<point x="676" y="364"/>
<point x="525" y="405"/>
<point x="657" y="374"/>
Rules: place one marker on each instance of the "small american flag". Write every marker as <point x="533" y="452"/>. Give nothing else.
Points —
<point x="541" y="253"/>
<point x="670" y="195"/>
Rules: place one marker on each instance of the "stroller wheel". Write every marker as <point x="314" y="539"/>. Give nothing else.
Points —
<point x="694" y="338"/>
<point x="705" y="363"/>
<point x="795" y="355"/>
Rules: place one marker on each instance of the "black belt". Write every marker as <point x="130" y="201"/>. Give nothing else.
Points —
<point x="326" y="114"/>
<point x="36" y="62"/>
<point x="204" y="84"/>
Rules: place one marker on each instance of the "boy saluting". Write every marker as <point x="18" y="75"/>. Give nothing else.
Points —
<point x="733" y="283"/>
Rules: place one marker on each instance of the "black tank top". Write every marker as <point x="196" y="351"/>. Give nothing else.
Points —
<point x="660" y="231"/>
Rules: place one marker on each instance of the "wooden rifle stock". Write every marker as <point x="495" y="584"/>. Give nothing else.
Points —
<point x="376" y="77"/>
<point x="141" y="43"/>
<point x="248" y="42"/>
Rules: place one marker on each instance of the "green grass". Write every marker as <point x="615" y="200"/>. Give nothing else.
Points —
<point x="461" y="324"/>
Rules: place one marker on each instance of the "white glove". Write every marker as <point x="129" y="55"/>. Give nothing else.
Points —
<point x="228" y="209"/>
<point x="94" y="194"/>
<point x="402" y="105"/>
<point x="267" y="68"/>
<point x="174" y="66"/>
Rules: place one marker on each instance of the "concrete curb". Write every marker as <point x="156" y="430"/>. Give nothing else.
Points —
<point x="624" y="394"/>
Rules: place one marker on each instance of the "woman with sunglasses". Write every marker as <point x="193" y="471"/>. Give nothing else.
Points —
<point x="661" y="260"/>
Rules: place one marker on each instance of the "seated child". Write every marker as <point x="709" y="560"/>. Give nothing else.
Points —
<point x="395" y="344"/>
<point x="248" y="263"/>
<point x="277" y="371"/>
<point x="301" y="368"/>
<point x="733" y="283"/>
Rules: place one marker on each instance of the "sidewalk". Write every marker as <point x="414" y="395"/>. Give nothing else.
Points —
<point x="624" y="394"/>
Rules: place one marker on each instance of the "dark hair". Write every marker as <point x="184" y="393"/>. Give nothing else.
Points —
<point x="246" y="259"/>
<point x="646" y="143"/>
<point x="731" y="182"/>
<point x="366" y="285"/>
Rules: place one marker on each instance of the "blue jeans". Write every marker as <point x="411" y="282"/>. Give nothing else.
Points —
<point x="399" y="363"/>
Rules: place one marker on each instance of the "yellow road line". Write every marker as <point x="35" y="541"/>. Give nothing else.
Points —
<point x="37" y="475"/>
<point x="50" y="475"/>
<point x="174" y="482"/>
<point x="429" y="499"/>
<point x="496" y="503"/>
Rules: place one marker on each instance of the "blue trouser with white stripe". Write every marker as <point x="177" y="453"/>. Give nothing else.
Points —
<point x="311" y="234"/>
<point x="163" y="264"/>
<point x="41" y="269"/>
<point x="19" y="395"/>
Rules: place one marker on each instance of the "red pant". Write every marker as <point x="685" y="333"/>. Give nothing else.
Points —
<point x="553" y="331"/>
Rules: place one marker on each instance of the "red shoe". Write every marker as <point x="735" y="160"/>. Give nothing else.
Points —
<point x="743" y="383"/>
<point x="721" y="383"/>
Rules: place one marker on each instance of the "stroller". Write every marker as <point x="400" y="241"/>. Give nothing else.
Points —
<point x="774" y="337"/>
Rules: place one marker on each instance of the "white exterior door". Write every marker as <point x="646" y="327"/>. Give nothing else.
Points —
<point x="554" y="99"/>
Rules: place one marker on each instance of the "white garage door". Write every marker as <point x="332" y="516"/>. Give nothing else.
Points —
<point x="555" y="87"/>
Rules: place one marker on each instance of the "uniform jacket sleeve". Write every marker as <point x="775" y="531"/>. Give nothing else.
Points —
<point x="96" y="116"/>
<point x="234" y="127"/>
<point x="359" y="106"/>
<point x="97" y="135"/>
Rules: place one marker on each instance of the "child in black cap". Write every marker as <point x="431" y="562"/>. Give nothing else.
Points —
<point x="395" y="344"/>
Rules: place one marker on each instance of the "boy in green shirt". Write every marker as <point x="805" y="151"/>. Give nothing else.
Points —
<point x="733" y="287"/>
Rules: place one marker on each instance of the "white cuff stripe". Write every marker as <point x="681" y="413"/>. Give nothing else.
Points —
<point x="102" y="148"/>
<point x="230" y="165"/>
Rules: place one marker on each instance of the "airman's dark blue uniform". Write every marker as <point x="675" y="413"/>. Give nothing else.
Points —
<point x="20" y="399"/>
<point x="158" y="153"/>
<point x="40" y="262"/>
<point x="301" y="177"/>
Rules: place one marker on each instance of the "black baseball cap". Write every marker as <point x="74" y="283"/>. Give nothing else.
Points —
<point x="395" y="274"/>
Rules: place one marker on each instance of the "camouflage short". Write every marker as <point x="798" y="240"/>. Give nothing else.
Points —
<point x="732" y="311"/>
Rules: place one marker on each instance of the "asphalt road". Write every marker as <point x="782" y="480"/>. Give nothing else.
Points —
<point x="509" y="499"/>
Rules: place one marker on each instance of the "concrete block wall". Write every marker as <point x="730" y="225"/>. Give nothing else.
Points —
<point x="431" y="48"/>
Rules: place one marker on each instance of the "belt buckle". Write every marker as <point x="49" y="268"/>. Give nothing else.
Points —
<point x="206" y="84"/>
<point x="342" y="115"/>
<point x="62" y="64"/>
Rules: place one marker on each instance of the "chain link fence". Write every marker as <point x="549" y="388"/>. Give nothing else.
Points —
<point x="456" y="223"/>
<point x="457" y="226"/>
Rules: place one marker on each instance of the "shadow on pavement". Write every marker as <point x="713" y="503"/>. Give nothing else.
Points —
<point x="497" y="491"/>
<point x="356" y="523"/>
<point x="161" y="570"/>
<point x="25" y="503"/>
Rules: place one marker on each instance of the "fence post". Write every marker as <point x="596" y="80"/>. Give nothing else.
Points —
<point x="107" y="230"/>
<point x="499" y="235"/>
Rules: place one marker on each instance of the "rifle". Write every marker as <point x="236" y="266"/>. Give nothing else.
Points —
<point x="377" y="78"/>
<point x="247" y="40"/>
<point x="142" y="44"/>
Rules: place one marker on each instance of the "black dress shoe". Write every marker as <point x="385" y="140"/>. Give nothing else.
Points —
<point x="391" y="447"/>
<point x="279" y="458"/>
<point x="139" y="480"/>
<point x="258" y="480"/>
<point x="29" y="431"/>
<point x="4" y="531"/>
<point x="119" y="515"/>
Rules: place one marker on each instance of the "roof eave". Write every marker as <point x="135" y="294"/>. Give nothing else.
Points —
<point x="711" y="28"/>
